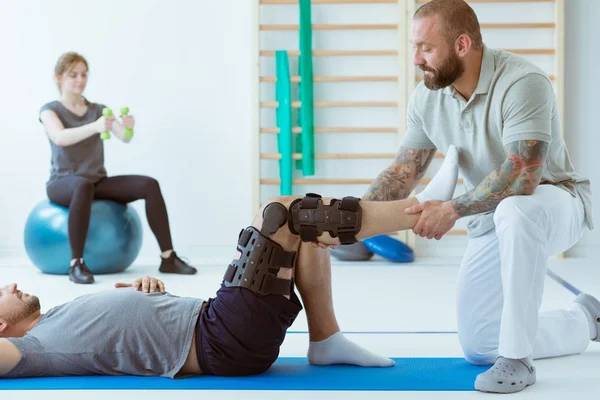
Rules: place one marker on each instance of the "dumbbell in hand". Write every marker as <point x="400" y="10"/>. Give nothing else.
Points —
<point x="128" y="132"/>
<point x="107" y="112"/>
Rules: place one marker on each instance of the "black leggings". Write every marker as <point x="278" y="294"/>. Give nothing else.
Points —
<point x="77" y="193"/>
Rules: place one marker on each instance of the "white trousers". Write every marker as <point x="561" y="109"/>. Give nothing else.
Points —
<point x="501" y="281"/>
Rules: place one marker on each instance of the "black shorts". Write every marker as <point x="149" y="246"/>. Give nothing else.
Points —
<point x="239" y="332"/>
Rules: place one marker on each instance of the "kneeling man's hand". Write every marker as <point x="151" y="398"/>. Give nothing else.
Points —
<point x="436" y="219"/>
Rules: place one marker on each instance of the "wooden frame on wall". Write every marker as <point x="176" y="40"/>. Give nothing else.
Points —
<point x="406" y="80"/>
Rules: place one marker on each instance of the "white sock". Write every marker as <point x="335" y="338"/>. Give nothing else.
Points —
<point x="443" y="183"/>
<point x="336" y="349"/>
<point x="590" y="318"/>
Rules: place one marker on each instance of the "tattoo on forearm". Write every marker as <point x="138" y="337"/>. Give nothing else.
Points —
<point x="398" y="180"/>
<point x="518" y="175"/>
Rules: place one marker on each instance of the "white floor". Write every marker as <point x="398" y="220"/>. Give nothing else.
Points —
<point x="372" y="296"/>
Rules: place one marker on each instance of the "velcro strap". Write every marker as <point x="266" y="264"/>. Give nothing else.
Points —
<point x="349" y="217"/>
<point x="311" y="200"/>
<point x="230" y="273"/>
<point x="308" y="233"/>
<point x="245" y="236"/>
<point x="346" y="237"/>
<point x="281" y="258"/>
<point x="278" y="286"/>
<point x="349" y="203"/>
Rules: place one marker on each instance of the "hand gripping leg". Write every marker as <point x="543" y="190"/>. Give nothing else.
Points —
<point x="309" y="218"/>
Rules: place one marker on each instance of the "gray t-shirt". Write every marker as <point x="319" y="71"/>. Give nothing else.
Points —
<point x="114" y="332"/>
<point x="85" y="158"/>
<point x="514" y="100"/>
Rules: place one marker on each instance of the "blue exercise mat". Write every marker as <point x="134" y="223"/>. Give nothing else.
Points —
<point x="430" y="374"/>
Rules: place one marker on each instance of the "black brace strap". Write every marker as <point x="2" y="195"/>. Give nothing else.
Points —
<point x="259" y="263"/>
<point x="309" y="218"/>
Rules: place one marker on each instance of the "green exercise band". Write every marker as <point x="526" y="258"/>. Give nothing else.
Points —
<point x="283" y="93"/>
<point x="305" y="90"/>
<point x="298" y="138"/>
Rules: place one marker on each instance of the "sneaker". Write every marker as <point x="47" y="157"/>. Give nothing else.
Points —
<point x="175" y="265"/>
<point x="80" y="273"/>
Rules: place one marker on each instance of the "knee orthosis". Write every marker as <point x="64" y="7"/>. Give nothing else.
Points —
<point x="259" y="263"/>
<point x="309" y="218"/>
<point x="261" y="257"/>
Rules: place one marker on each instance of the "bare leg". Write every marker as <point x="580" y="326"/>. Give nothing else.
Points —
<point x="379" y="218"/>
<point x="313" y="279"/>
<point x="327" y="344"/>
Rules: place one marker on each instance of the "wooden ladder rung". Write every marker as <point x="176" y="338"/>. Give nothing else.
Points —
<point x="497" y="1"/>
<point x="531" y="51"/>
<point x="296" y="79"/>
<point x="325" y="104"/>
<point x="419" y="78"/>
<point x="334" y="181"/>
<point x="335" y="53"/>
<point x="319" y="181"/>
<point x="518" y="25"/>
<point x="330" y="1"/>
<point x="332" y="156"/>
<point x="330" y="27"/>
<point x="298" y="129"/>
<point x="339" y="156"/>
<point x="379" y="27"/>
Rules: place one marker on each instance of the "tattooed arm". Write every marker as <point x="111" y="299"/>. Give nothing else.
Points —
<point x="528" y="111"/>
<point x="398" y="180"/>
<point x="518" y="175"/>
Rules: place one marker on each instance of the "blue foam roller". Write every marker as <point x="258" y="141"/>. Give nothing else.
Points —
<point x="390" y="248"/>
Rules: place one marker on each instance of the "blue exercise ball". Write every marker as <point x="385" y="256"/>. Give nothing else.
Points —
<point x="113" y="241"/>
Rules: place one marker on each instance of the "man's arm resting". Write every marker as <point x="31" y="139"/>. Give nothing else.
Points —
<point x="398" y="180"/>
<point x="9" y="356"/>
<point x="520" y="174"/>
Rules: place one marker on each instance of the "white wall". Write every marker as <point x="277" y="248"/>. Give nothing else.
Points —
<point x="582" y="89"/>
<point x="185" y="68"/>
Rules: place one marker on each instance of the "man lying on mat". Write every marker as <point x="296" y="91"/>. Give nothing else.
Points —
<point x="239" y="332"/>
<point x="143" y="330"/>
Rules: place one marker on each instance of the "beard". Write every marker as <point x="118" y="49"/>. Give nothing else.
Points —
<point x="31" y="306"/>
<point x="449" y="71"/>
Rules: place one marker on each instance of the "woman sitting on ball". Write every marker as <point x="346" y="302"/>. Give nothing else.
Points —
<point x="74" y="125"/>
